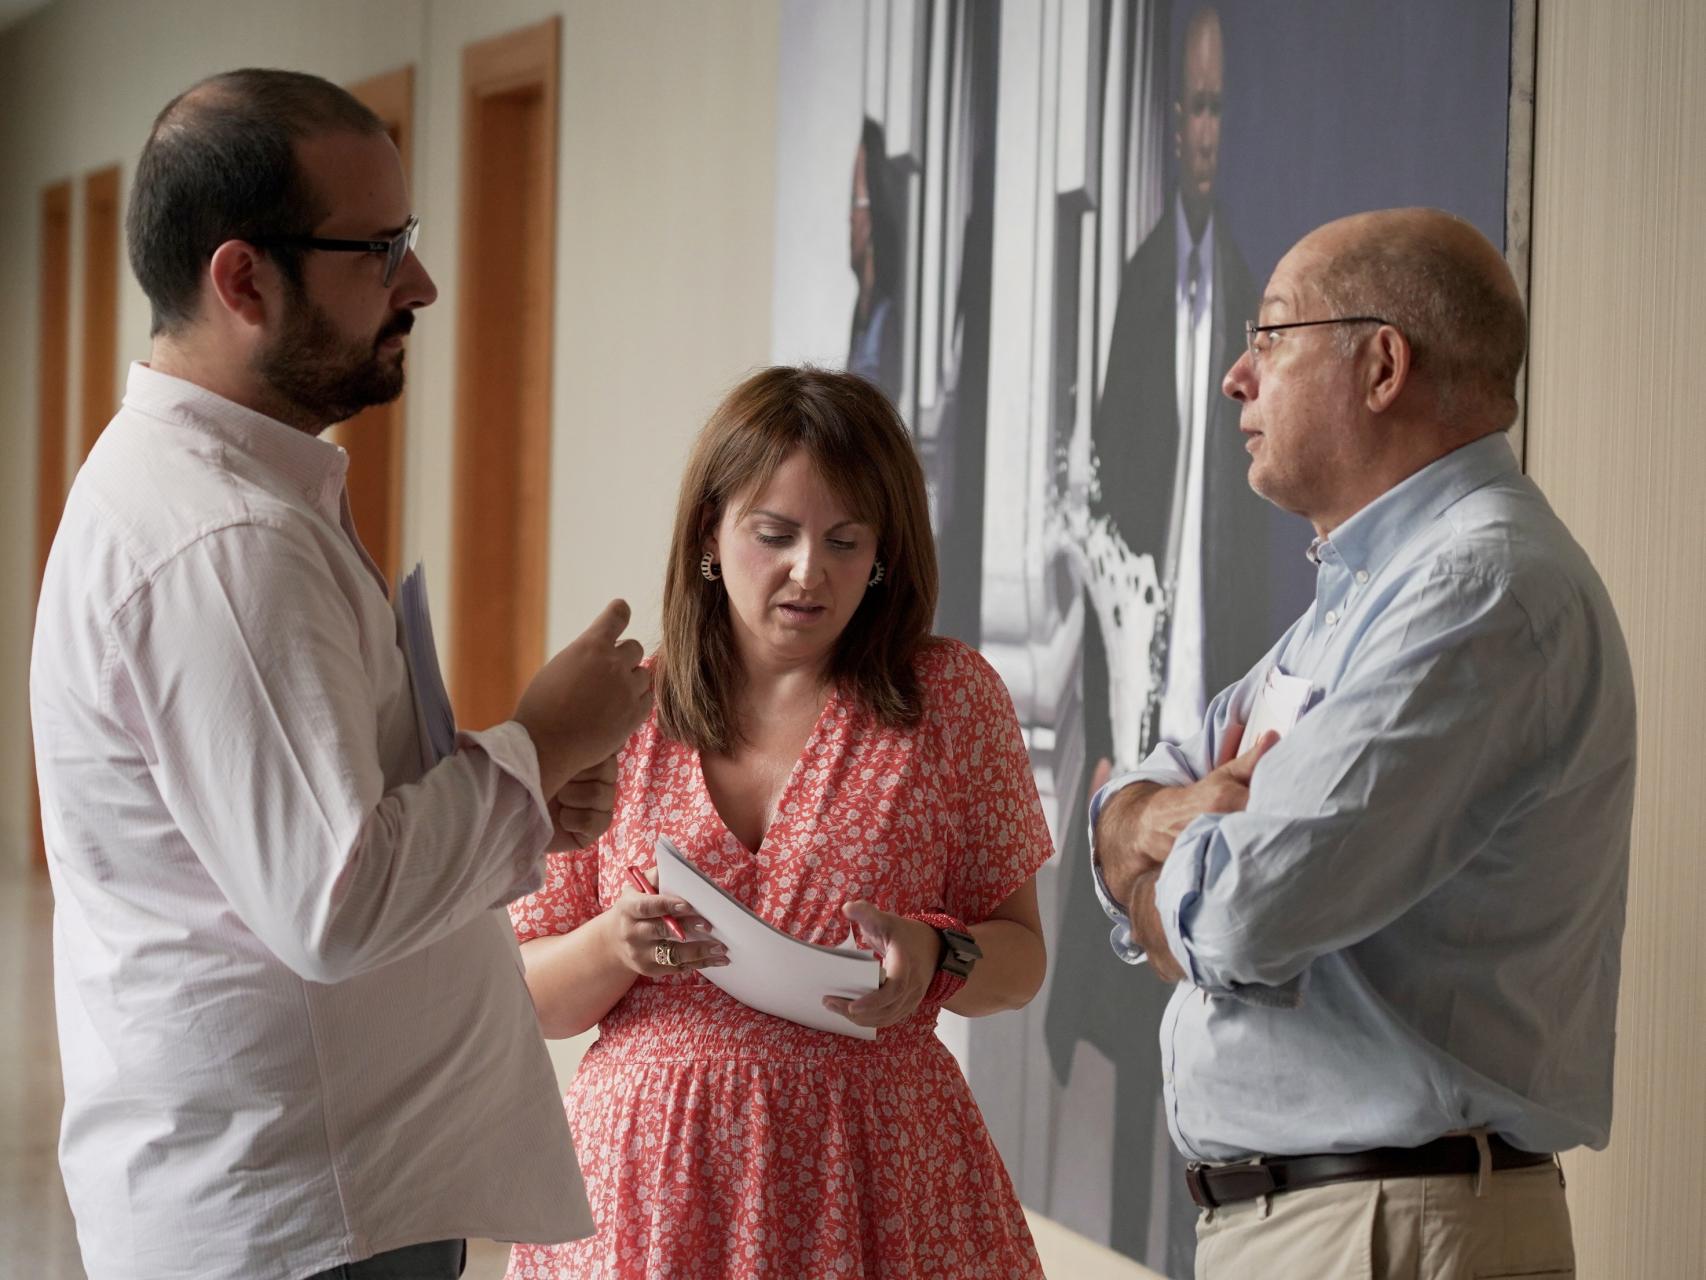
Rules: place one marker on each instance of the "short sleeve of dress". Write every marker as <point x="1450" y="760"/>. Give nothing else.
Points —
<point x="1003" y="836"/>
<point x="567" y="899"/>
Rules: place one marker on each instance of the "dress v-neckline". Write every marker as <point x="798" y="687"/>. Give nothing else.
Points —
<point x="788" y="787"/>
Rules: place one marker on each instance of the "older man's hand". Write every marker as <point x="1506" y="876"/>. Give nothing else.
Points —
<point x="1139" y="823"/>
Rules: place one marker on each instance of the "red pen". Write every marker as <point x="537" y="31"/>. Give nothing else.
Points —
<point x="641" y="884"/>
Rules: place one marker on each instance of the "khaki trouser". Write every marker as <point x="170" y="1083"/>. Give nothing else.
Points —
<point x="1397" y="1229"/>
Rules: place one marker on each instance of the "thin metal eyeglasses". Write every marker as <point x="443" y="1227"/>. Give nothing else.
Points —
<point x="1252" y="330"/>
<point x="395" y="248"/>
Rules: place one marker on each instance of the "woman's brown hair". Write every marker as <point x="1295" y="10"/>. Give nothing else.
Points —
<point x="857" y="443"/>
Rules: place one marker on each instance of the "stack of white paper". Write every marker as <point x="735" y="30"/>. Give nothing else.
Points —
<point x="769" y="970"/>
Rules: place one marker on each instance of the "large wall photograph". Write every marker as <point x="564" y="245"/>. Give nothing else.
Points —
<point x="1040" y="226"/>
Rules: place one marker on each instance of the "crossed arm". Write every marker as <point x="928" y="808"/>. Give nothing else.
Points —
<point x="1139" y="823"/>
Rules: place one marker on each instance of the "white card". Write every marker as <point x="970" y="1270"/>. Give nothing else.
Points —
<point x="1279" y="702"/>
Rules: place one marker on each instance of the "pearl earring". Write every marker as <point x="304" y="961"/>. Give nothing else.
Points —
<point x="877" y="572"/>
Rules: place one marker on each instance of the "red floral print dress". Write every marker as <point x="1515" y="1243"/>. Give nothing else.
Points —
<point x="718" y="1141"/>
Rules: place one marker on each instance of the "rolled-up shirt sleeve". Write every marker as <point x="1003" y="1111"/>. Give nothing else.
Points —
<point x="1345" y="828"/>
<point x="1168" y="765"/>
<point x="262" y="731"/>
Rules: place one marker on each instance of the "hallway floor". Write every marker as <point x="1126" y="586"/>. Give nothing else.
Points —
<point x="36" y="1235"/>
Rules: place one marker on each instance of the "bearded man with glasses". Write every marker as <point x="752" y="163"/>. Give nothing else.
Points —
<point x="295" y="1038"/>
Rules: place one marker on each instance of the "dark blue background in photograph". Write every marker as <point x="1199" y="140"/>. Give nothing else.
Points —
<point x="1336" y="106"/>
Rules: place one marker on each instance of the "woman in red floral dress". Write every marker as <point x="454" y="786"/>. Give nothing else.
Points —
<point x="823" y="758"/>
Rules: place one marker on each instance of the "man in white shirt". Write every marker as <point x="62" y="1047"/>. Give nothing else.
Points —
<point x="295" y="1036"/>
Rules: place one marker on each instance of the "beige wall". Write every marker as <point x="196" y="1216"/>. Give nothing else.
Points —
<point x="666" y="193"/>
<point x="1616" y="383"/>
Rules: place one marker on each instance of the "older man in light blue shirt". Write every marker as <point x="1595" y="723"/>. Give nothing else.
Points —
<point x="1395" y="928"/>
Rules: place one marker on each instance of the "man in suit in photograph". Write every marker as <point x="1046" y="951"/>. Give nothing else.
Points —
<point x="1185" y="610"/>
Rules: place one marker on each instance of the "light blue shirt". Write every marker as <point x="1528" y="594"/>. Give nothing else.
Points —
<point x="1415" y="926"/>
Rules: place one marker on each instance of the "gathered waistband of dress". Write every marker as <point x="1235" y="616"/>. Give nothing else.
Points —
<point x="695" y="1020"/>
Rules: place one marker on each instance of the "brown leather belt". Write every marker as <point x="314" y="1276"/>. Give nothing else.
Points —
<point x="1212" y="1185"/>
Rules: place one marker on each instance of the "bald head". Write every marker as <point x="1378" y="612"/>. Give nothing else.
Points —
<point x="1447" y="289"/>
<point x="1202" y="36"/>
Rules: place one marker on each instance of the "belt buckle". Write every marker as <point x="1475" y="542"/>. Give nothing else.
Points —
<point x="1197" y="1185"/>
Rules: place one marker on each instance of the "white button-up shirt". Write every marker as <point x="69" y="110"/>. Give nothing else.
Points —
<point x="291" y="1012"/>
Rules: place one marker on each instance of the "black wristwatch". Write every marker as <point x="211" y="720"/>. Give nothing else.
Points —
<point x="959" y="952"/>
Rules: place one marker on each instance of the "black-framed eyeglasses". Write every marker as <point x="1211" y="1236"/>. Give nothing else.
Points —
<point x="1256" y="345"/>
<point x="395" y="248"/>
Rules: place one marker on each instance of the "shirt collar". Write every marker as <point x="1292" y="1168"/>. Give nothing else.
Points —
<point x="315" y="467"/>
<point x="1369" y="538"/>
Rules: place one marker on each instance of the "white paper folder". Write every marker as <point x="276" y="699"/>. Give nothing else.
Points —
<point x="769" y="970"/>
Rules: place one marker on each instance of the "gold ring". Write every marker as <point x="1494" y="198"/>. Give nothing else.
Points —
<point x="664" y="954"/>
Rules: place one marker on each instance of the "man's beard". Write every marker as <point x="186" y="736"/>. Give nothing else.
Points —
<point x="324" y="377"/>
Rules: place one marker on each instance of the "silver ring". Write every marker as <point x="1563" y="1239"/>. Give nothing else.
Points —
<point x="664" y="954"/>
